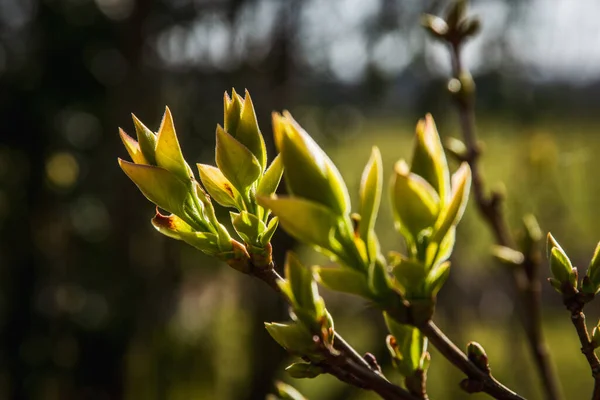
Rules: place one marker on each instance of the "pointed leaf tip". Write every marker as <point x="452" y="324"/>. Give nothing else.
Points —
<point x="168" y="150"/>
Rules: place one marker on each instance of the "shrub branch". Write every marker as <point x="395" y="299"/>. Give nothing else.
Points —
<point x="490" y="208"/>
<point x="348" y="366"/>
<point x="575" y="302"/>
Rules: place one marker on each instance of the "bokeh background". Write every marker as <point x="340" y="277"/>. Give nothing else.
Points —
<point x="94" y="304"/>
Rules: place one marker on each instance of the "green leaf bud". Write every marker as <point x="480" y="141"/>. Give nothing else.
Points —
<point x="240" y="122"/>
<point x="415" y="203"/>
<point x="478" y="356"/>
<point x="309" y="173"/>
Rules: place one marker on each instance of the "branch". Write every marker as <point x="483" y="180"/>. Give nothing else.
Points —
<point x="575" y="301"/>
<point x="489" y="206"/>
<point x="348" y="366"/>
<point x="478" y="380"/>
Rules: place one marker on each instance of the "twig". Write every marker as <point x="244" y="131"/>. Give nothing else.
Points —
<point x="349" y="366"/>
<point x="575" y="301"/>
<point x="478" y="379"/>
<point x="525" y="277"/>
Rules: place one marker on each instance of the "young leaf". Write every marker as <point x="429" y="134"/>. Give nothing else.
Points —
<point x="414" y="202"/>
<point x="309" y="173"/>
<point x="147" y="140"/>
<point x="379" y="281"/>
<point x="167" y="191"/>
<point x="293" y="337"/>
<point x="133" y="148"/>
<point x="266" y="236"/>
<point x="248" y="226"/>
<point x="240" y="122"/>
<point x="429" y="160"/>
<point x="594" y="269"/>
<point x="344" y="280"/>
<point x="236" y="162"/>
<point x="452" y="213"/>
<point x="286" y="392"/>
<point x="408" y="347"/>
<point x="439" y="252"/>
<point x="309" y="222"/>
<point x="304" y="288"/>
<point x="271" y="178"/>
<point x="370" y="193"/>
<point x="410" y="274"/>
<point x="436" y="278"/>
<point x="168" y="152"/>
<point x="302" y="370"/>
<point x="560" y="265"/>
<point x="175" y="228"/>
<point x="550" y="244"/>
<point x="219" y="188"/>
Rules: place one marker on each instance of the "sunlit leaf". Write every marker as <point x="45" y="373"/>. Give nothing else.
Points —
<point x="344" y="280"/>
<point x="133" y="148"/>
<point x="304" y="287"/>
<point x="309" y="173"/>
<point x="240" y="122"/>
<point x="270" y="180"/>
<point x="286" y="392"/>
<point x="147" y="140"/>
<point x="301" y="370"/>
<point x="452" y="213"/>
<point x="293" y="337"/>
<point x="436" y="278"/>
<point x="307" y="221"/>
<point x="429" y="160"/>
<point x="248" y="226"/>
<point x="219" y="188"/>
<point x="409" y="273"/>
<point x="370" y="197"/>
<point x="236" y="162"/>
<point x="415" y="204"/>
<point x="166" y="191"/>
<point x="168" y="151"/>
<point x="174" y="227"/>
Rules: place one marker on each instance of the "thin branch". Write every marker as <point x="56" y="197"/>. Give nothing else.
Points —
<point x="478" y="379"/>
<point x="575" y="302"/>
<point x="348" y="366"/>
<point x="526" y="277"/>
<point x="587" y="348"/>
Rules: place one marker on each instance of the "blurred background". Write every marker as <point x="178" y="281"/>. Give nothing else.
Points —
<point x="94" y="304"/>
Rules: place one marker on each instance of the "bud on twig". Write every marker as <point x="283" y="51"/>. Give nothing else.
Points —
<point x="478" y="356"/>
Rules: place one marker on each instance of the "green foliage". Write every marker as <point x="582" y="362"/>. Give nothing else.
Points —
<point x="563" y="274"/>
<point x="408" y="347"/>
<point x="427" y="202"/>
<point x="165" y="178"/>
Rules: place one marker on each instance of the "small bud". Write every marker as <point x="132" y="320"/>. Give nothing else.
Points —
<point x="596" y="336"/>
<point x="560" y="265"/>
<point x="469" y="27"/>
<point x="478" y="356"/>
<point x="436" y="26"/>
<point x="593" y="271"/>
<point x="507" y="255"/>
<point x="456" y="147"/>
<point x="456" y="13"/>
